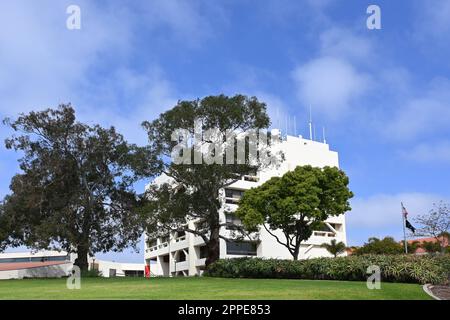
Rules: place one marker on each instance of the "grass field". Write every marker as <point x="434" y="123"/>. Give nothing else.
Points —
<point x="204" y="288"/>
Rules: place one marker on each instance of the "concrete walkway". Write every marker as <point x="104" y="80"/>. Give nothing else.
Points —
<point x="439" y="292"/>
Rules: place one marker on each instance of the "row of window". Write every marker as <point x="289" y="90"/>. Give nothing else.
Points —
<point x="244" y="248"/>
<point x="232" y="221"/>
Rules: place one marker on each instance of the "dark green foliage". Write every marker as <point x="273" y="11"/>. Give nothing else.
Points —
<point x="431" y="247"/>
<point x="194" y="193"/>
<point x="75" y="189"/>
<point x="385" y="246"/>
<point x="394" y="268"/>
<point x="296" y="203"/>
<point x="91" y="273"/>
<point x="334" y="247"/>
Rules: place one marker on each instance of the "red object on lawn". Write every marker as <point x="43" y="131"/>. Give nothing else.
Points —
<point x="147" y="271"/>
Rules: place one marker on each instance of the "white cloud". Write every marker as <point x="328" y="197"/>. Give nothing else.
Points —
<point x="429" y="153"/>
<point x="42" y="61"/>
<point x="333" y="81"/>
<point x="330" y="85"/>
<point x="343" y="43"/>
<point x="276" y="109"/>
<point x="126" y="99"/>
<point x="432" y="19"/>
<point x="421" y="113"/>
<point x="189" y="21"/>
<point x="384" y="210"/>
<point x="44" y="64"/>
<point x="380" y="215"/>
<point x="253" y="81"/>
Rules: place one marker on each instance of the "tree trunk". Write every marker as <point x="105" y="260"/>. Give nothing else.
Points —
<point x="82" y="257"/>
<point x="295" y="254"/>
<point x="213" y="246"/>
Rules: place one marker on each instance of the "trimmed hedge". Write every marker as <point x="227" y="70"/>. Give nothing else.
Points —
<point x="394" y="268"/>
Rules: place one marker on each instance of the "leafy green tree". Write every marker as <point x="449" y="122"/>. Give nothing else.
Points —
<point x="431" y="247"/>
<point x="334" y="247"/>
<point x="388" y="245"/>
<point x="192" y="192"/>
<point x="75" y="190"/>
<point x="295" y="203"/>
<point x="412" y="246"/>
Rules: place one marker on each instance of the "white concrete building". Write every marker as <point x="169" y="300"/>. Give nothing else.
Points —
<point x="40" y="264"/>
<point x="56" y="264"/>
<point x="110" y="269"/>
<point x="184" y="254"/>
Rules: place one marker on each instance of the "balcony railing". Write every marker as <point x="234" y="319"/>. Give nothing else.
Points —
<point x="163" y="245"/>
<point x="232" y="200"/>
<point x="251" y="178"/>
<point x="324" y="234"/>
<point x="153" y="248"/>
<point x="180" y="239"/>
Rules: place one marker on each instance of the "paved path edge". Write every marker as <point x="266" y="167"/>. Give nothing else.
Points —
<point x="428" y="291"/>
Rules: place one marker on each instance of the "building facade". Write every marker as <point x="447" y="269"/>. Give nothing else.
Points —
<point x="57" y="264"/>
<point x="40" y="264"/>
<point x="184" y="254"/>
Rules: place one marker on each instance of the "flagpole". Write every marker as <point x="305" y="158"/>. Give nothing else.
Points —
<point x="404" y="229"/>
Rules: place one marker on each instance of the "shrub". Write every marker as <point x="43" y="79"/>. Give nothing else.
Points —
<point x="384" y="246"/>
<point x="394" y="268"/>
<point x="91" y="273"/>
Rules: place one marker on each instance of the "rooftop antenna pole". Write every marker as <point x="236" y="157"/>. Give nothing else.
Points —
<point x="286" y="123"/>
<point x="289" y="124"/>
<point x="323" y="134"/>
<point x="295" y="126"/>
<point x="278" y="119"/>
<point x="310" y="124"/>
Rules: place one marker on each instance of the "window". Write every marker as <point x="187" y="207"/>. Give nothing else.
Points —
<point x="112" y="273"/>
<point x="181" y="256"/>
<point x="233" y="195"/>
<point x="134" y="273"/>
<point x="323" y="230"/>
<point x="244" y="248"/>
<point x="231" y="219"/>
<point x="203" y="252"/>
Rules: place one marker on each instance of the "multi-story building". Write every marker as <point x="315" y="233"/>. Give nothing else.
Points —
<point x="184" y="254"/>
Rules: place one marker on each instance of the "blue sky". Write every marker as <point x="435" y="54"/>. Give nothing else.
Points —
<point x="383" y="95"/>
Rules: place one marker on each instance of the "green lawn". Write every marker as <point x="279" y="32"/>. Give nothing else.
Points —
<point x="204" y="288"/>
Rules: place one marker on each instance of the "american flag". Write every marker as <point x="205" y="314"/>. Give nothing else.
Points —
<point x="407" y="223"/>
<point x="404" y="212"/>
